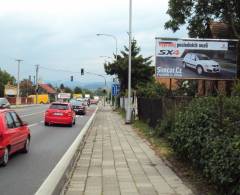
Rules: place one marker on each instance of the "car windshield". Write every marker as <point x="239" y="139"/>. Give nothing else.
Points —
<point x="2" y="101"/>
<point x="59" y="106"/>
<point x="203" y="57"/>
<point x="77" y="103"/>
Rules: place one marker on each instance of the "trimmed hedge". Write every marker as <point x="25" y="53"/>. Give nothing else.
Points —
<point x="207" y="133"/>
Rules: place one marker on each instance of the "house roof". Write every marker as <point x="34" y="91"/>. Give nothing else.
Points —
<point x="48" y="88"/>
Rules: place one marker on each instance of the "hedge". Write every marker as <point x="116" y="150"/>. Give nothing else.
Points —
<point x="207" y="133"/>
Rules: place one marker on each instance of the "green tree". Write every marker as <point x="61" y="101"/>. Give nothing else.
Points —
<point x="142" y="72"/>
<point x="26" y="88"/>
<point x="68" y="90"/>
<point x="198" y="15"/>
<point x="5" y="78"/>
<point x="99" y="92"/>
<point x="152" y="90"/>
<point x="77" y="90"/>
<point x="62" y="86"/>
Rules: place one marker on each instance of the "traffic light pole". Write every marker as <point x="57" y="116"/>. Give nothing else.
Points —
<point x="37" y="70"/>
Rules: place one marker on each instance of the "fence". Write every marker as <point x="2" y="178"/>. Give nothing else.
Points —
<point x="152" y="110"/>
<point x="24" y="100"/>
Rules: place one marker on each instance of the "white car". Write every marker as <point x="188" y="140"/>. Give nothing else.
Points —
<point x="201" y="63"/>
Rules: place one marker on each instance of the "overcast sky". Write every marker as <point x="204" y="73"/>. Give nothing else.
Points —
<point x="61" y="34"/>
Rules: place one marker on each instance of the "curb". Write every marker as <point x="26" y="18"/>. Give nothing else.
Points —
<point x="23" y="106"/>
<point x="55" y="181"/>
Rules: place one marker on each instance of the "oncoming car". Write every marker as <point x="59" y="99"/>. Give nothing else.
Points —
<point x="201" y="63"/>
<point x="60" y="113"/>
<point x="14" y="135"/>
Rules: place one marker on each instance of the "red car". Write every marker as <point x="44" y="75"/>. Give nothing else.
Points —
<point x="60" y="113"/>
<point x="14" y="135"/>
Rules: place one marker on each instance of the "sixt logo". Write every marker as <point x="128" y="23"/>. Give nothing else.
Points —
<point x="167" y="44"/>
<point x="163" y="52"/>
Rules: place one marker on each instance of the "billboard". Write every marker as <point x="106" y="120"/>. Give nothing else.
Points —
<point x="64" y="95"/>
<point x="210" y="59"/>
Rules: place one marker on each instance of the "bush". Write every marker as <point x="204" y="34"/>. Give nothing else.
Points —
<point x="207" y="133"/>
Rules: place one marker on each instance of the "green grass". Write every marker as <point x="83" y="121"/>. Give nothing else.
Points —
<point x="162" y="148"/>
<point x="160" y="144"/>
<point x="121" y="112"/>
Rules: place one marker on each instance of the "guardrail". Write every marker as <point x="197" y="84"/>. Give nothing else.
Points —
<point x="54" y="183"/>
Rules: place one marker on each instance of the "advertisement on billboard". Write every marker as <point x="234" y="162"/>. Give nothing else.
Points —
<point x="209" y="59"/>
<point x="64" y="95"/>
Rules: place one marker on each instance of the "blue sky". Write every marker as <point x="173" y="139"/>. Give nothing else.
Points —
<point x="61" y="34"/>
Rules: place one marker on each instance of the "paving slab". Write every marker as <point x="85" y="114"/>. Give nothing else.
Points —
<point x="115" y="160"/>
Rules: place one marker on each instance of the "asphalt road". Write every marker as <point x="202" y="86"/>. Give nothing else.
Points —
<point x="191" y="73"/>
<point x="26" y="172"/>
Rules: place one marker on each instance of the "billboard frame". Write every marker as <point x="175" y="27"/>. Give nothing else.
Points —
<point x="201" y="39"/>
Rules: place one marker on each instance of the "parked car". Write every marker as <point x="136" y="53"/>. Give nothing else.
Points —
<point x="201" y="63"/>
<point x="79" y="106"/>
<point x="4" y="103"/>
<point x="14" y="135"/>
<point x="60" y="113"/>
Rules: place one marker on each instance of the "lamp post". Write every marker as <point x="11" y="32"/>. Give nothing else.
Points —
<point x="129" y="110"/>
<point x="107" y="57"/>
<point x="116" y="41"/>
<point x="112" y="36"/>
<point x="18" y="80"/>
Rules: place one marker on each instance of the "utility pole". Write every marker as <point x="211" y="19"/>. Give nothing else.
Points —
<point x="129" y="109"/>
<point x="18" y="80"/>
<point x="37" y="70"/>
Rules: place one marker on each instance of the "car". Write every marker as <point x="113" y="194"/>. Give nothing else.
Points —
<point x="4" y="103"/>
<point x="60" y="113"/>
<point x="79" y="106"/>
<point x="201" y="63"/>
<point x="14" y="135"/>
<point x="93" y="101"/>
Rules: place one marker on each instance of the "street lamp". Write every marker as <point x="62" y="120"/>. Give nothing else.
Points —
<point x="18" y="80"/>
<point x="107" y="57"/>
<point x="129" y="110"/>
<point x="114" y="37"/>
<point x="116" y="41"/>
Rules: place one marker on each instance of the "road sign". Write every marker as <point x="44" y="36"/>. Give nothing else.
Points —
<point x="115" y="89"/>
<point x="64" y="95"/>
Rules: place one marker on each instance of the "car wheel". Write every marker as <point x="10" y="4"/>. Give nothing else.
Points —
<point x="74" y="122"/>
<point x="199" y="70"/>
<point x="5" y="157"/>
<point x="46" y="123"/>
<point x="26" y="146"/>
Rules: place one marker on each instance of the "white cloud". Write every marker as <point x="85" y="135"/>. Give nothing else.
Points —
<point x="62" y="33"/>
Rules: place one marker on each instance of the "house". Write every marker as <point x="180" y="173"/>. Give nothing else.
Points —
<point x="47" y="89"/>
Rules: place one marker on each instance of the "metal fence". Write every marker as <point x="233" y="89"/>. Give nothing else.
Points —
<point x="152" y="110"/>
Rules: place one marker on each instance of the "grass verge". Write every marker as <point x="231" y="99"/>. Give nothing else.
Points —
<point x="189" y="175"/>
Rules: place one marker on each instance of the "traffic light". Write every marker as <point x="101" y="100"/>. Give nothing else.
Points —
<point x="82" y="71"/>
<point x="71" y="78"/>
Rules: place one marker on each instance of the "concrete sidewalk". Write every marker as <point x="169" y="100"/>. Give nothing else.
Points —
<point x="115" y="160"/>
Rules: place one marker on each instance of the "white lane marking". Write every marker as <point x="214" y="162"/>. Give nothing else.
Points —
<point x="35" y="124"/>
<point x="32" y="114"/>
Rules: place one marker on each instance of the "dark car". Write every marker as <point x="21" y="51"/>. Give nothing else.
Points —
<point x="4" y="103"/>
<point x="79" y="106"/>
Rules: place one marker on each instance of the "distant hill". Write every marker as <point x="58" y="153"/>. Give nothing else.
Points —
<point x="72" y="85"/>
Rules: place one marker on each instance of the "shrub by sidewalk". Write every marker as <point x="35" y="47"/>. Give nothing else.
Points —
<point x="207" y="133"/>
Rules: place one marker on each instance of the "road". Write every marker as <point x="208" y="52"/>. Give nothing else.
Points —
<point x="26" y="172"/>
